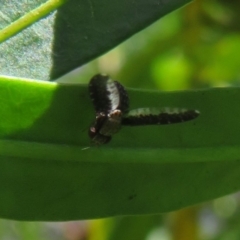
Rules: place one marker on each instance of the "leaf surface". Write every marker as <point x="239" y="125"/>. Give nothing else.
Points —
<point x="47" y="175"/>
<point x="75" y="34"/>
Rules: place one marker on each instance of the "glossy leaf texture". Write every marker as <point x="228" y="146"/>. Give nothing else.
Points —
<point x="47" y="175"/>
<point x="75" y="34"/>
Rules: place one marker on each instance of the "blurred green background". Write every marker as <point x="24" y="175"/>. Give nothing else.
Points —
<point x="197" y="46"/>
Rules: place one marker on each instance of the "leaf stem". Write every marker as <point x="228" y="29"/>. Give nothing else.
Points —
<point x="29" y="18"/>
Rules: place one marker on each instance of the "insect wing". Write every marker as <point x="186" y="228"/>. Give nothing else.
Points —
<point x="107" y="95"/>
<point x="98" y="93"/>
<point x="155" y="116"/>
<point x="123" y="96"/>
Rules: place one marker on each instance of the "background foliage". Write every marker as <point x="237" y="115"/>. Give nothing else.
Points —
<point x="195" y="47"/>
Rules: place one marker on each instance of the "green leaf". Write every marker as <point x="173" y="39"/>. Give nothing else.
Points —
<point x="29" y="18"/>
<point x="47" y="175"/>
<point x="75" y="34"/>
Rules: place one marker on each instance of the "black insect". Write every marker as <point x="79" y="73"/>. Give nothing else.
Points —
<point x="111" y="104"/>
